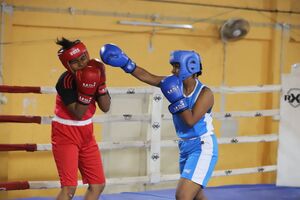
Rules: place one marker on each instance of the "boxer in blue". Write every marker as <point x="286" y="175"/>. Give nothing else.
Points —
<point x="191" y="104"/>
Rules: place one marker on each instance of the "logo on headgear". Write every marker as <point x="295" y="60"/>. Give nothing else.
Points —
<point x="74" y="52"/>
<point x="293" y="97"/>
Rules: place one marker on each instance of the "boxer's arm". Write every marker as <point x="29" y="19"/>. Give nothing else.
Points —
<point x="114" y="56"/>
<point x="203" y="104"/>
<point x="66" y="89"/>
<point x="104" y="102"/>
<point x="146" y="77"/>
<point x="102" y="95"/>
<point x="103" y="98"/>
<point x="77" y="109"/>
<point x="172" y="88"/>
<point x="88" y="80"/>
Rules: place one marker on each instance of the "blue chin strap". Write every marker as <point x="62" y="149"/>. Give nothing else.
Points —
<point x="189" y="61"/>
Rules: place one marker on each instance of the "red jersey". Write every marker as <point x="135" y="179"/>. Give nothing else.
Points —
<point x="66" y="94"/>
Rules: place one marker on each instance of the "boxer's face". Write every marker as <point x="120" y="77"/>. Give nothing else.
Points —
<point x="79" y="62"/>
<point x="175" y="69"/>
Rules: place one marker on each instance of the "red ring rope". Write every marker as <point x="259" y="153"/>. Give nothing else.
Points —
<point x="18" y="185"/>
<point x="18" y="147"/>
<point x="19" y="89"/>
<point x="20" y="119"/>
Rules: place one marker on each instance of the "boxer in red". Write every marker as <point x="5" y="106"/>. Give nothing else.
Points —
<point x="74" y="146"/>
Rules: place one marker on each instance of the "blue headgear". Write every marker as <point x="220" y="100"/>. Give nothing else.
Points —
<point x="189" y="61"/>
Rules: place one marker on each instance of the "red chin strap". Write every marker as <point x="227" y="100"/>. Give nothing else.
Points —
<point x="74" y="52"/>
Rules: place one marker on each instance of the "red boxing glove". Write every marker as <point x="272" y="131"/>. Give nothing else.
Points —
<point x="102" y="90"/>
<point x="88" y="80"/>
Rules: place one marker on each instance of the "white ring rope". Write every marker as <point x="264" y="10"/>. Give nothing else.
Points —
<point x="145" y="179"/>
<point x="166" y="116"/>
<point x="173" y="143"/>
<point x="224" y="115"/>
<point x="149" y="90"/>
<point x="247" y="89"/>
<point x="153" y="122"/>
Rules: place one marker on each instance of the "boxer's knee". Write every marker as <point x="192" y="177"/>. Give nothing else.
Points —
<point x="96" y="188"/>
<point x="68" y="192"/>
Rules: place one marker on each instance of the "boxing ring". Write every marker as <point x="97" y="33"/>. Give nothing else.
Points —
<point x="287" y="186"/>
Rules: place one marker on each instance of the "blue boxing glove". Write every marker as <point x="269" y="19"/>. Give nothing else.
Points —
<point x="114" y="56"/>
<point x="171" y="87"/>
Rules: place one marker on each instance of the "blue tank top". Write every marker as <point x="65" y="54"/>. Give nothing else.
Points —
<point x="204" y="125"/>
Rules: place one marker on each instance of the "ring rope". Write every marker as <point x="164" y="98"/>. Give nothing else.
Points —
<point x="23" y="185"/>
<point x="52" y="90"/>
<point x="21" y="119"/>
<point x="142" y="117"/>
<point x="129" y="117"/>
<point x="143" y="90"/>
<point x="19" y="89"/>
<point x="224" y="115"/>
<point x="142" y="144"/>
<point x="247" y="89"/>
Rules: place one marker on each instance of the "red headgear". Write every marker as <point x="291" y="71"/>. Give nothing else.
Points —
<point x="74" y="52"/>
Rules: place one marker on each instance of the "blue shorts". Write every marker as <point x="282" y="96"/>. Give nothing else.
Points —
<point x="198" y="158"/>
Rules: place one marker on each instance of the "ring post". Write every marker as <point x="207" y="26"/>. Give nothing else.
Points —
<point x="154" y="136"/>
<point x="289" y="132"/>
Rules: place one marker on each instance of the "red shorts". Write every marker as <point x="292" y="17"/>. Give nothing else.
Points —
<point x="75" y="147"/>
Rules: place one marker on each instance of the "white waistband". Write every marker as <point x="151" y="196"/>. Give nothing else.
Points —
<point x="194" y="138"/>
<point x="207" y="134"/>
<point x="72" y="122"/>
